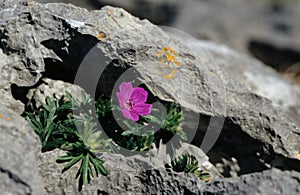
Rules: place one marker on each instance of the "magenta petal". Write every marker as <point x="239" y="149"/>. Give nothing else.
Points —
<point x="139" y="95"/>
<point x="134" y="116"/>
<point x="125" y="89"/>
<point x="121" y="99"/>
<point x="126" y="113"/>
<point x="142" y="109"/>
<point x="130" y="115"/>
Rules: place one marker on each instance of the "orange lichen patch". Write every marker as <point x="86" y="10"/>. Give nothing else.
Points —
<point x="297" y="155"/>
<point x="159" y="53"/>
<point x="110" y="12"/>
<point x="170" y="49"/>
<point x="101" y="35"/>
<point x="168" y="57"/>
<point x="1" y="116"/>
<point x="8" y="118"/>
<point x="206" y="179"/>
<point x="170" y="76"/>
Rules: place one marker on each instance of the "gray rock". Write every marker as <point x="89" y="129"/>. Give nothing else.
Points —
<point x="90" y="5"/>
<point x="9" y="74"/>
<point x="268" y="29"/>
<point x="271" y="181"/>
<point x="53" y="89"/>
<point x="269" y="32"/>
<point x="196" y="77"/>
<point x="19" y="148"/>
<point x="260" y="79"/>
<point x="161" y="181"/>
<point x="127" y="175"/>
<point x="161" y="12"/>
<point x="55" y="38"/>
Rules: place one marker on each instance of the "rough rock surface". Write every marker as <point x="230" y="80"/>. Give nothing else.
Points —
<point x="53" y="39"/>
<point x="127" y="176"/>
<point x="191" y="79"/>
<point x="271" y="181"/>
<point x="269" y="30"/>
<point x="260" y="79"/>
<point x="53" y="89"/>
<point x="161" y="12"/>
<point x="19" y="147"/>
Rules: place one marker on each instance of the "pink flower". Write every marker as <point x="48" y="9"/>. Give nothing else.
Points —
<point x="132" y="101"/>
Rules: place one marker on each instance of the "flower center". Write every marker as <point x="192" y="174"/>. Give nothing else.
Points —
<point x="129" y="104"/>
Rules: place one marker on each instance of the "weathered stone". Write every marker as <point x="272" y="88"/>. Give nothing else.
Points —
<point x="162" y="12"/>
<point x="19" y="148"/>
<point x="269" y="32"/>
<point x="126" y="175"/>
<point x="196" y="77"/>
<point x="265" y="28"/>
<point x="260" y="79"/>
<point x="53" y="89"/>
<point x="271" y="181"/>
<point x="55" y="38"/>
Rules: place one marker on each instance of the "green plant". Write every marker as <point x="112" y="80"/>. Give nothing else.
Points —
<point x="136" y="143"/>
<point x="103" y="107"/>
<point x="188" y="164"/>
<point x="67" y="124"/>
<point x="139" y="136"/>
<point x="50" y="122"/>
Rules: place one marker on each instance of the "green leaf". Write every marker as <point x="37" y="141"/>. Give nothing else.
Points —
<point x="65" y="158"/>
<point x="84" y="169"/>
<point x="72" y="162"/>
<point x="188" y="164"/>
<point x="98" y="164"/>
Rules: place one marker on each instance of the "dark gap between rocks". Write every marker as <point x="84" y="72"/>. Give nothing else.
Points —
<point x="236" y="153"/>
<point x="19" y="93"/>
<point x="278" y="58"/>
<point x="71" y="53"/>
<point x="232" y="143"/>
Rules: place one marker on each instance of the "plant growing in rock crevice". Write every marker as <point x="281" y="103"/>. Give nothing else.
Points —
<point x="188" y="164"/>
<point x="58" y="127"/>
<point x="141" y="124"/>
<point x="70" y="125"/>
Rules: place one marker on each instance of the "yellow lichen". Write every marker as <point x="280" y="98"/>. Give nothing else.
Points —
<point x="159" y="53"/>
<point x="297" y="155"/>
<point x="1" y="116"/>
<point x="206" y="179"/>
<point x="168" y="57"/>
<point x="101" y="35"/>
<point x="110" y="12"/>
<point x="8" y="118"/>
<point x="170" y="76"/>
